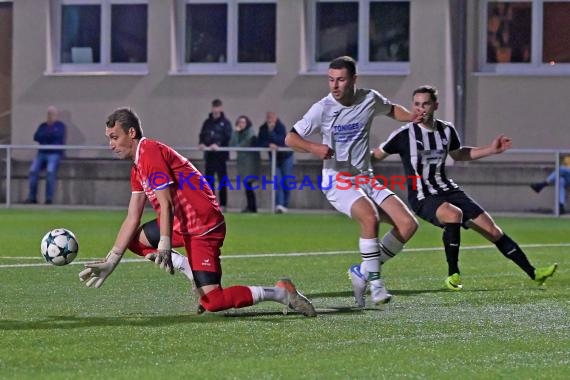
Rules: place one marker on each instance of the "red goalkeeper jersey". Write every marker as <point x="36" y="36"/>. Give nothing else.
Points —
<point x="158" y="166"/>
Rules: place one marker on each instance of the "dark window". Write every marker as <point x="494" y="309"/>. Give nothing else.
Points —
<point x="336" y="30"/>
<point x="206" y="33"/>
<point x="389" y="31"/>
<point x="256" y="33"/>
<point x="80" y="34"/>
<point x="556" y="36"/>
<point x="509" y="32"/>
<point x="129" y="33"/>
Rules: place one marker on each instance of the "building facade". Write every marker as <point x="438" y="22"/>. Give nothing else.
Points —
<point x="501" y="67"/>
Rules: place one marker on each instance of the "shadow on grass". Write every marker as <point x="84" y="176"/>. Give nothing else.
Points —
<point x="406" y="292"/>
<point x="57" y="322"/>
<point x="324" y="310"/>
<point x="74" y="322"/>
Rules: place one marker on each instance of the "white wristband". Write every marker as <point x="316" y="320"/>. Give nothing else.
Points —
<point x="164" y="243"/>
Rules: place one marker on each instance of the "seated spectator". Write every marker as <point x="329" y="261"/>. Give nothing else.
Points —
<point x="562" y="185"/>
<point x="50" y="132"/>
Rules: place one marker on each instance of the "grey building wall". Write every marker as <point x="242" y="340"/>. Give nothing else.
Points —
<point x="173" y="106"/>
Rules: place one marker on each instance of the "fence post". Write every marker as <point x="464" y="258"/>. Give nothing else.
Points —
<point x="557" y="183"/>
<point x="273" y="176"/>
<point x="8" y="175"/>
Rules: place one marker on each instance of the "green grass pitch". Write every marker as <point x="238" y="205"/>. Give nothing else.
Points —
<point x="142" y="325"/>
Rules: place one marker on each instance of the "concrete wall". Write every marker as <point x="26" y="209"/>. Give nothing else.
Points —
<point x="5" y="71"/>
<point x="496" y="186"/>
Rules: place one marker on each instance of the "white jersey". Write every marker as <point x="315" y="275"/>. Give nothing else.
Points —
<point x="346" y="129"/>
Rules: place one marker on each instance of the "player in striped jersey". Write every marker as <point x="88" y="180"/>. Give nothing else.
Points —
<point x="343" y="119"/>
<point x="188" y="215"/>
<point x="436" y="198"/>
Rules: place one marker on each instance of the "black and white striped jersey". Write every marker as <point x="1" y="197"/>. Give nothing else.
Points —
<point x="423" y="153"/>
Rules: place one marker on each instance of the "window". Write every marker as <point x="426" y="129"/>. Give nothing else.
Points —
<point x="389" y="31"/>
<point x="376" y="33"/>
<point x="227" y="36"/>
<point x="556" y="33"/>
<point x="530" y="36"/>
<point x="80" y="34"/>
<point x="129" y="33"/>
<point x="99" y="35"/>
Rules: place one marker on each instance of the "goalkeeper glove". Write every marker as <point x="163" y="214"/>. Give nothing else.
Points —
<point x="164" y="255"/>
<point x="95" y="274"/>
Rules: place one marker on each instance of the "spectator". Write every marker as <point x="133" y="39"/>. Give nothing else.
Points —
<point x="562" y="185"/>
<point x="247" y="162"/>
<point x="216" y="132"/>
<point x="50" y="132"/>
<point x="272" y="134"/>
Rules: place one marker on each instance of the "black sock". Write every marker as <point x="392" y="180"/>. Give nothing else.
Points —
<point x="451" y="242"/>
<point x="512" y="251"/>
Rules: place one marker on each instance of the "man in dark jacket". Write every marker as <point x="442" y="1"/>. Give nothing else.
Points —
<point x="216" y="132"/>
<point x="50" y="132"/>
<point x="272" y="135"/>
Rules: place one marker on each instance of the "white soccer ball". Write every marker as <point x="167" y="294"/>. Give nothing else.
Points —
<point x="59" y="247"/>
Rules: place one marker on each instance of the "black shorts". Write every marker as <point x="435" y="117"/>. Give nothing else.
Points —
<point x="427" y="207"/>
<point x="152" y="232"/>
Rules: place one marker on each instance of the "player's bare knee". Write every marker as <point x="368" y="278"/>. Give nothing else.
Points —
<point x="457" y="215"/>
<point x="367" y="218"/>
<point x="408" y="227"/>
<point x="370" y="219"/>
<point x="448" y="213"/>
<point x="495" y="233"/>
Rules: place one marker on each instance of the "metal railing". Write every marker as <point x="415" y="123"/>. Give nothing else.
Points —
<point x="9" y="149"/>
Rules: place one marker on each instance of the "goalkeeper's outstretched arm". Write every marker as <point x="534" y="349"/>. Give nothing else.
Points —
<point x="95" y="274"/>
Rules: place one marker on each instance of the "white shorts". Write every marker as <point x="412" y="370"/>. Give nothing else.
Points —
<point x="343" y="191"/>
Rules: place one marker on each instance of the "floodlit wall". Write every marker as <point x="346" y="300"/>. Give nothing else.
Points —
<point x="173" y="106"/>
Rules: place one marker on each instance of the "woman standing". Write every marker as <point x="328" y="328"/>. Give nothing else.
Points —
<point x="247" y="162"/>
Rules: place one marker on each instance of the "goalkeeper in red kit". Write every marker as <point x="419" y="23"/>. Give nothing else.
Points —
<point x="188" y="215"/>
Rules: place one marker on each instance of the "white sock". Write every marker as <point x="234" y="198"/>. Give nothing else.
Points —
<point x="370" y="253"/>
<point x="390" y="247"/>
<point x="180" y="263"/>
<point x="260" y="293"/>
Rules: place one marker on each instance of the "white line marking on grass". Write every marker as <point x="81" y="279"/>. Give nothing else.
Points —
<point x="44" y="264"/>
<point x="283" y="254"/>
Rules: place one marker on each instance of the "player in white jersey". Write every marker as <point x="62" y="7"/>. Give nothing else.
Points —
<point x="434" y="197"/>
<point x="343" y="118"/>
